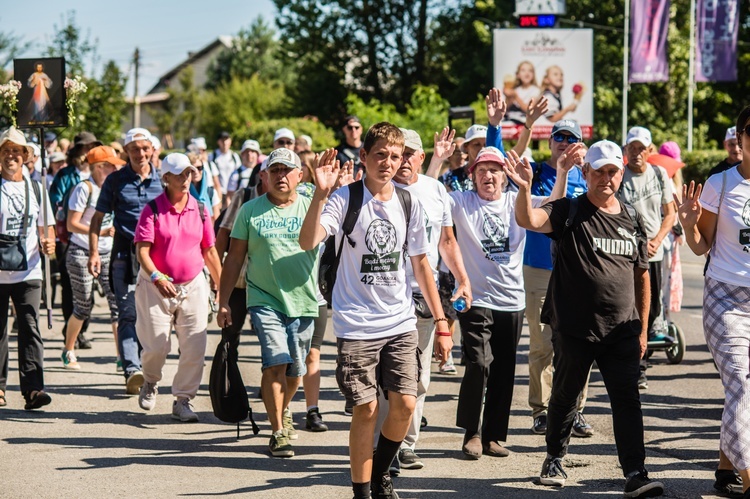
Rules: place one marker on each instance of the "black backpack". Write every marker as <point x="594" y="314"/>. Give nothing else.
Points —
<point x="225" y="386"/>
<point x="329" y="260"/>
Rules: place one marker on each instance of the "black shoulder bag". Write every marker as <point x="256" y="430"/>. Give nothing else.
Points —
<point x="13" y="248"/>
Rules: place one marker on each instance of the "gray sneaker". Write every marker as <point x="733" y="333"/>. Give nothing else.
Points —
<point x="147" y="396"/>
<point x="409" y="459"/>
<point x="280" y="446"/>
<point x="288" y="424"/>
<point x="182" y="410"/>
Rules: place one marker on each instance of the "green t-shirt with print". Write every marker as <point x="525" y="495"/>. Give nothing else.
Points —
<point x="279" y="274"/>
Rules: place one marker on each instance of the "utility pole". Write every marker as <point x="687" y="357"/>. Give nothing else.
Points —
<point x="136" y="98"/>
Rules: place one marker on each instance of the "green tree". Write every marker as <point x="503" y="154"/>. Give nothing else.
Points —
<point x="78" y="49"/>
<point x="11" y="46"/>
<point x="180" y="112"/>
<point x="105" y="104"/>
<point x="254" y="51"/>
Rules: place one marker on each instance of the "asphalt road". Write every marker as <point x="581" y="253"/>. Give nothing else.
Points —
<point x="93" y="440"/>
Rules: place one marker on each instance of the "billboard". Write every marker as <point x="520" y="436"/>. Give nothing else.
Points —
<point x="557" y="63"/>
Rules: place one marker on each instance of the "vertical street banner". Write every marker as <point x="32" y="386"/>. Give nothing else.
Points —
<point x="717" y="24"/>
<point x="649" y="24"/>
<point x="556" y="63"/>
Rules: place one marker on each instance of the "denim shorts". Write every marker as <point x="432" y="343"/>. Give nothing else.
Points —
<point x="283" y="340"/>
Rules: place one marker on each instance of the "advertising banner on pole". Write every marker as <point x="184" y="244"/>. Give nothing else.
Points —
<point x="717" y="25"/>
<point x="649" y="23"/>
<point x="556" y="63"/>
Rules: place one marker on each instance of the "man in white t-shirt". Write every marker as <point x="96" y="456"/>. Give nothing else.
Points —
<point x="21" y="266"/>
<point x="226" y="161"/>
<point x="373" y="311"/>
<point x="436" y="209"/>
<point x="649" y="190"/>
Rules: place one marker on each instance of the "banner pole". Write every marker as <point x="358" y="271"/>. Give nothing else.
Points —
<point x="625" y="72"/>
<point x="691" y="78"/>
<point x="44" y="208"/>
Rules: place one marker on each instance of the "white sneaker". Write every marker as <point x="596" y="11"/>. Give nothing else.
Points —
<point x="70" y="361"/>
<point x="147" y="396"/>
<point x="182" y="410"/>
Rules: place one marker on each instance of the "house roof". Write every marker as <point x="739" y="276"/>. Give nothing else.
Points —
<point x="224" y="40"/>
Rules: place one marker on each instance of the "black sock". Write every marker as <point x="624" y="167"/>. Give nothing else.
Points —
<point x="383" y="458"/>
<point x="361" y="490"/>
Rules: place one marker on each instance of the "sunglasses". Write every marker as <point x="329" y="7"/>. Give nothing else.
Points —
<point x="355" y="127"/>
<point x="558" y="137"/>
<point x="199" y="168"/>
<point x="285" y="142"/>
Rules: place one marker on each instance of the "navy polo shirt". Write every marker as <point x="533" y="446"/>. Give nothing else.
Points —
<point x="537" y="252"/>
<point x="125" y="194"/>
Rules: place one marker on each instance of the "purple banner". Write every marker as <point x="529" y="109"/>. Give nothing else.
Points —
<point x="717" y="23"/>
<point x="649" y="23"/>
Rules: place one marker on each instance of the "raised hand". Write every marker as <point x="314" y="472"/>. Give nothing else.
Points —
<point x="689" y="209"/>
<point x="496" y="106"/>
<point x="573" y="155"/>
<point x="536" y="109"/>
<point x="444" y="146"/>
<point x="518" y="170"/>
<point x="326" y="168"/>
<point x="346" y="176"/>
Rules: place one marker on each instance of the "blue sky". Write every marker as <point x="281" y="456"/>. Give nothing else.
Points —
<point x="163" y="30"/>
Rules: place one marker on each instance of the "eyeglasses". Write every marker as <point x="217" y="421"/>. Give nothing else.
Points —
<point x="199" y="168"/>
<point x="353" y="127"/>
<point x="558" y="137"/>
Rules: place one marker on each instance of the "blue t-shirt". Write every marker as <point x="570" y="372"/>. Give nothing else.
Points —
<point x="125" y="194"/>
<point x="537" y="253"/>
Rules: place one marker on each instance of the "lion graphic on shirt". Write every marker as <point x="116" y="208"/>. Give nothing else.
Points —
<point x="381" y="237"/>
<point x="746" y="213"/>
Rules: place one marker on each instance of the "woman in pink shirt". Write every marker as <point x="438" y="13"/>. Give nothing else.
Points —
<point x="174" y="240"/>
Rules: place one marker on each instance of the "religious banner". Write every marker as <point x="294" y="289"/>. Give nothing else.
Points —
<point x="717" y="25"/>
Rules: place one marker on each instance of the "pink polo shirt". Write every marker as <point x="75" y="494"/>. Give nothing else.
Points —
<point x="177" y="239"/>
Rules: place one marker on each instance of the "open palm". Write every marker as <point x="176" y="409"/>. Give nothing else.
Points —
<point x="518" y="170"/>
<point x="326" y="168"/>
<point x="689" y="209"/>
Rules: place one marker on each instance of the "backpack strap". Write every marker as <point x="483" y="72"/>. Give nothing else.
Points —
<point x="572" y="212"/>
<point x="404" y="197"/>
<point x="37" y="192"/>
<point x="202" y="210"/>
<point x="247" y="194"/>
<point x="152" y="205"/>
<point x="537" y="174"/>
<point x="635" y="217"/>
<point x="91" y="192"/>
<point x="356" y="195"/>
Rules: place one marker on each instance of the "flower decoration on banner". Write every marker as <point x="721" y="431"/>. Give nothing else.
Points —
<point x="73" y="88"/>
<point x="9" y="94"/>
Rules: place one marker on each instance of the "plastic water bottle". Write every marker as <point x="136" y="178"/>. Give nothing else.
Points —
<point x="459" y="305"/>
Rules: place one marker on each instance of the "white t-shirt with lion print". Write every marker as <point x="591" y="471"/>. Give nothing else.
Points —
<point x="492" y="248"/>
<point x="371" y="298"/>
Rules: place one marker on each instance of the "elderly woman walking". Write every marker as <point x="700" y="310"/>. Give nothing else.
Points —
<point x="174" y="239"/>
<point x="717" y="218"/>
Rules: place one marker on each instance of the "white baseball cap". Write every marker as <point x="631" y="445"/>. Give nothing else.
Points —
<point x="604" y="152"/>
<point x="199" y="142"/>
<point x="175" y="163"/>
<point x="474" y="132"/>
<point x="412" y="140"/>
<point x="307" y="139"/>
<point x="137" y="134"/>
<point x="639" y="134"/>
<point x="283" y="133"/>
<point x="731" y="134"/>
<point x="252" y="145"/>
<point x="156" y="142"/>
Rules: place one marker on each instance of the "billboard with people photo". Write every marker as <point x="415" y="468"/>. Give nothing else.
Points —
<point x="556" y="63"/>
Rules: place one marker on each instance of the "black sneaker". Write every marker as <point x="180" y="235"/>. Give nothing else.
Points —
<point x="640" y="485"/>
<point x="581" y="428"/>
<point x="409" y="459"/>
<point x="82" y="342"/>
<point x="382" y="488"/>
<point x="540" y="425"/>
<point x="314" y="421"/>
<point x="553" y="472"/>
<point x="348" y="409"/>
<point x="728" y="482"/>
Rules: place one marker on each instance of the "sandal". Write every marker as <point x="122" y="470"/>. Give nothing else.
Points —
<point x="36" y="400"/>
<point x="3" y="402"/>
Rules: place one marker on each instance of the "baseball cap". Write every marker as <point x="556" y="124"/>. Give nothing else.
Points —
<point x="671" y="149"/>
<point x="175" y="163"/>
<point x="49" y="136"/>
<point x="349" y="118"/>
<point x="56" y="156"/>
<point x="488" y="154"/>
<point x="86" y="138"/>
<point x="640" y="134"/>
<point x="14" y="135"/>
<point x="103" y="153"/>
<point x="603" y="153"/>
<point x="252" y="145"/>
<point x="307" y="139"/>
<point x="199" y="142"/>
<point x="283" y="133"/>
<point x="570" y="126"/>
<point x="731" y="133"/>
<point x="412" y="140"/>
<point x="224" y="135"/>
<point x="136" y="134"/>
<point x="156" y="142"/>
<point x="474" y="132"/>
<point x="283" y="156"/>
